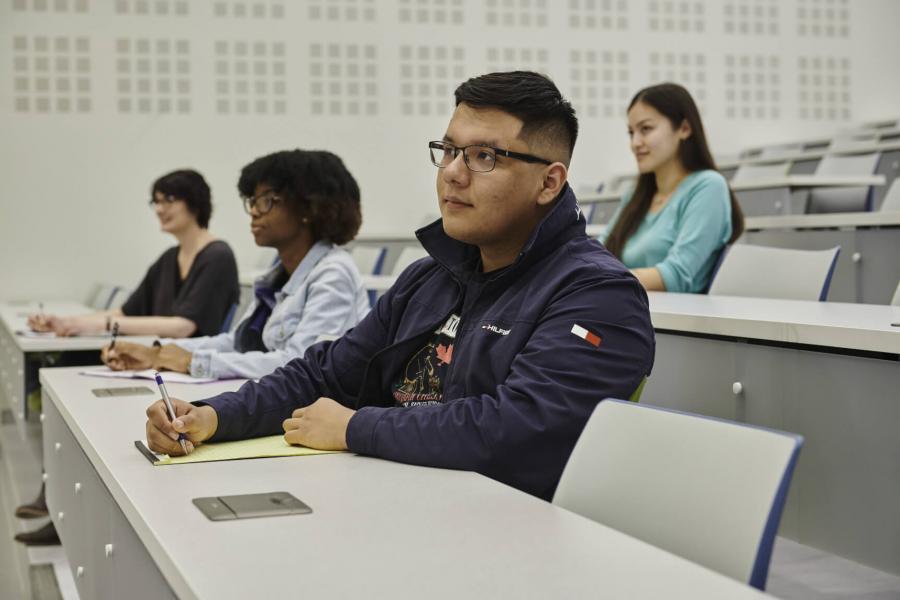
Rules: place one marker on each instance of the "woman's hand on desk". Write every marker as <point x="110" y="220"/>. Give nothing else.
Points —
<point x="321" y="425"/>
<point x="197" y="423"/>
<point x="66" y="326"/>
<point x="128" y="356"/>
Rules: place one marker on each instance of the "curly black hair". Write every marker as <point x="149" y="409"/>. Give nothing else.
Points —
<point x="316" y="185"/>
<point x="187" y="185"/>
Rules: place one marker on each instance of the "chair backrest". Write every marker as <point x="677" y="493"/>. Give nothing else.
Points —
<point x="891" y="200"/>
<point x="848" y="164"/>
<point x="781" y="150"/>
<point x="895" y="301"/>
<point x="768" y="272"/>
<point x="229" y="317"/>
<point x="853" y="140"/>
<point x="102" y="296"/>
<point x="757" y="171"/>
<point x="118" y="298"/>
<point x="709" y="490"/>
<point x="408" y="256"/>
<point x="369" y="259"/>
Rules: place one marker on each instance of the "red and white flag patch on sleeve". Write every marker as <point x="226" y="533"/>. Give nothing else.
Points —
<point x="589" y="336"/>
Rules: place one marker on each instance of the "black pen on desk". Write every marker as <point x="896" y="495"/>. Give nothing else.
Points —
<point x="169" y="407"/>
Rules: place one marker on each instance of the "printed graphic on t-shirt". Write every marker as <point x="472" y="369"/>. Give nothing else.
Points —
<point x="422" y="380"/>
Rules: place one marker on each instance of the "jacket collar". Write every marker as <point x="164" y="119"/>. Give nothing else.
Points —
<point x="309" y="262"/>
<point x="564" y="222"/>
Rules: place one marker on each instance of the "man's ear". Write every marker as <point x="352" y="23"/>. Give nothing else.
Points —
<point x="553" y="182"/>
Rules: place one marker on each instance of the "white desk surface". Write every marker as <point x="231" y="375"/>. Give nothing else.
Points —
<point x="378" y="529"/>
<point x="863" y="327"/>
<point x="840" y="220"/>
<point x="799" y="181"/>
<point x="15" y="315"/>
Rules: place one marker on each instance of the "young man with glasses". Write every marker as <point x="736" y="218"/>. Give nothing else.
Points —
<point x="304" y="204"/>
<point x="490" y="354"/>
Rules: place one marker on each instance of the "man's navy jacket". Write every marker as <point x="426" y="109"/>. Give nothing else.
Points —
<point x="541" y="343"/>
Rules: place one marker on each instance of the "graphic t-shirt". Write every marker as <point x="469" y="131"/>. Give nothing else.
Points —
<point x="421" y="381"/>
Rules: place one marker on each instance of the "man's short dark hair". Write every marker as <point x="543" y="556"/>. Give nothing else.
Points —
<point x="189" y="186"/>
<point x="530" y="97"/>
<point x="316" y="185"/>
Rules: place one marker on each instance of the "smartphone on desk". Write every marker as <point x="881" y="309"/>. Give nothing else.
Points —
<point x="249" y="506"/>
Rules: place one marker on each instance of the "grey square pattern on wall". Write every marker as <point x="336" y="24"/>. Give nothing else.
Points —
<point x="51" y="74"/>
<point x="343" y="79"/>
<point x="159" y="8"/>
<point x="602" y="15"/>
<point x="404" y="58"/>
<point x="48" y="6"/>
<point x="752" y="86"/>
<point x="676" y="16"/>
<point x="437" y="12"/>
<point x="823" y="18"/>
<point x="751" y="17"/>
<point x="513" y="59"/>
<point x="239" y="9"/>
<point x="428" y="76"/>
<point x="153" y="76"/>
<point x="250" y="77"/>
<point x="823" y="88"/>
<point x="600" y="82"/>
<point x="345" y="11"/>
<point x="686" y="68"/>
<point x="515" y="13"/>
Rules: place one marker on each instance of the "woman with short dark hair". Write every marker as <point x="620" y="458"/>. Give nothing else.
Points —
<point x="188" y="291"/>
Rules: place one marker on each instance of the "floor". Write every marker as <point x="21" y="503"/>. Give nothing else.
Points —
<point x="797" y="572"/>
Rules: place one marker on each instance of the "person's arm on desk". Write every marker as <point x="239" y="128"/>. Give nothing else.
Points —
<point x="129" y="356"/>
<point x="197" y="423"/>
<point x="174" y="327"/>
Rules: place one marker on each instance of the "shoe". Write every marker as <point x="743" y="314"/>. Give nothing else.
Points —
<point x="35" y="509"/>
<point x="45" y="536"/>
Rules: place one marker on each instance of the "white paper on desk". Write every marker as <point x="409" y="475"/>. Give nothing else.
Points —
<point x="168" y="376"/>
<point x="35" y="334"/>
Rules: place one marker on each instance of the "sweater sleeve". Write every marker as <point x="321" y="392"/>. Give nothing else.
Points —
<point x="704" y="226"/>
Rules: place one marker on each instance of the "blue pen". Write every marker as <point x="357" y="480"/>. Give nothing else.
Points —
<point x="165" y="395"/>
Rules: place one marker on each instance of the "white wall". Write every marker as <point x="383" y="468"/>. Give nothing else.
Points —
<point x="371" y="81"/>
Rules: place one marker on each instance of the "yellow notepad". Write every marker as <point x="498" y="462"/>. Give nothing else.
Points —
<point x="264" y="447"/>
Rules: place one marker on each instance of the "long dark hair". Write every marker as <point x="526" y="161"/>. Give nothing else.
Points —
<point x="675" y="103"/>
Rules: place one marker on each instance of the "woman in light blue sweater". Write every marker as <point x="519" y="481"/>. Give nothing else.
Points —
<point x="672" y="227"/>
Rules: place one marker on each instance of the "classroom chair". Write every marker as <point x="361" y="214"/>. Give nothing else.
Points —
<point x="891" y="200"/>
<point x="769" y="272"/>
<point x="102" y="296"/>
<point x="369" y="259"/>
<point x="750" y="172"/>
<point x="709" y="490"/>
<point x="408" y="256"/>
<point x="780" y="150"/>
<point x="843" y="199"/>
<point x="895" y="301"/>
<point x="119" y="296"/>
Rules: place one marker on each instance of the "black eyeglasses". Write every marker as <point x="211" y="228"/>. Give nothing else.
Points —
<point x="170" y="199"/>
<point x="478" y="158"/>
<point x="262" y="203"/>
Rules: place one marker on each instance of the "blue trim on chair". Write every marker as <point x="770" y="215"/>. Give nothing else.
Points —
<point x="379" y="262"/>
<point x="112" y="294"/>
<point x="760" y="572"/>
<point x="870" y="196"/>
<point x="376" y="270"/>
<point x="823" y="296"/>
<point x="715" y="270"/>
<point x="226" y="324"/>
